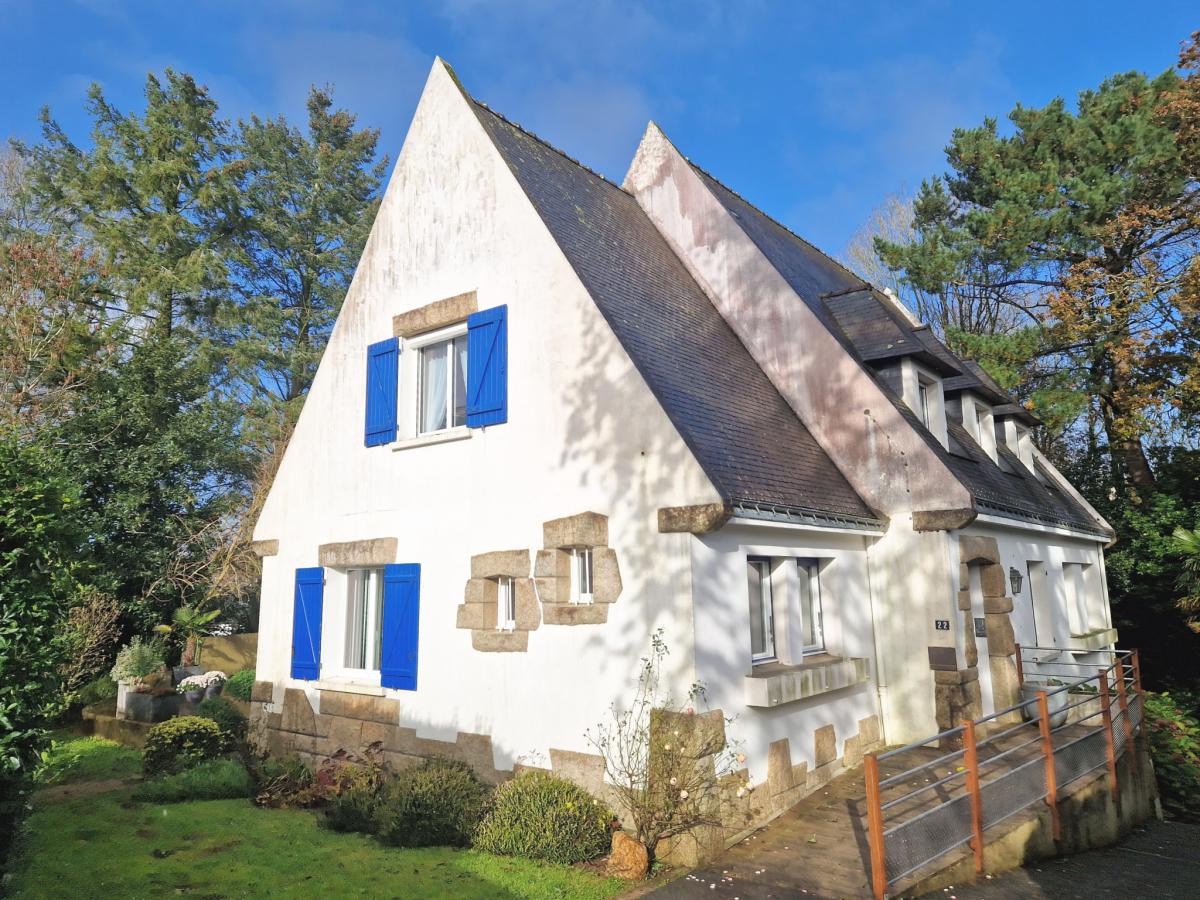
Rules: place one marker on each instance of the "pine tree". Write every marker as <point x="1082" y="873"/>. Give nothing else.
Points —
<point x="1093" y="215"/>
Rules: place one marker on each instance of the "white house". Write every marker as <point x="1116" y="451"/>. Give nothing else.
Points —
<point x="557" y="414"/>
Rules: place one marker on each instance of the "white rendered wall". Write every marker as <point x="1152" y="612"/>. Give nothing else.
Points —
<point x="584" y="433"/>
<point x="722" y="619"/>
<point x="912" y="588"/>
<point x="1019" y="545"/>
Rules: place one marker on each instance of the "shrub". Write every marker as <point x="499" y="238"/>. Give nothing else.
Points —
<point x="240" y="685"/>
<point x="294" y="785"/>
<point x="98" y="691"/>
<point x="138" y="658"/>
<point x="353" y="810"/>
<point x="540" y="816"/>
<point x="178" y="744"/>
<point x="216" y="779"/>
<point x="1175" y="748"/>
<point x="231" y="722"/>
<point x="280" y="781"/>
<point x="437" y="803"/>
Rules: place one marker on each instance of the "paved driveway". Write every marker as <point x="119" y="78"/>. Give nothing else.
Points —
<point x="1160" y="860"/>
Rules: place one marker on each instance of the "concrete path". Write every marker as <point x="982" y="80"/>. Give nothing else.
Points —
<point x="1160" y="861"/>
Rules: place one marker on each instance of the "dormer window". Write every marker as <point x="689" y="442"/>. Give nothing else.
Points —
<point x="922" y="391"/>
<point x="923" y="402"/>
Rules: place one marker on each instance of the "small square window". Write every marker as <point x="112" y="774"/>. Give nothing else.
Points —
<point x="443" y="385"/>
<point x="581" y="575"/>
<point x="506" y="605"/>
<point x="364" y="611"/>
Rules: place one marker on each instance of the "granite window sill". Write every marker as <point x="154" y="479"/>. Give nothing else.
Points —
<point x="774" y="684"/>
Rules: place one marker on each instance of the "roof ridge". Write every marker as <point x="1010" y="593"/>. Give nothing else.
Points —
<point x="545" y="143"/>
<point x="707" y="174"/>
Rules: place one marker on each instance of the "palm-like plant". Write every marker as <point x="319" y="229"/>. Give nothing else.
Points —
<point x="1187" y="542"/>
<point x="189" y="623"/>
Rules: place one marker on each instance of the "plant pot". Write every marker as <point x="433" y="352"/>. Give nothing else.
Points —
<point x="213" y="690"/>
<point x="1056" y="703"/>
<point x="194" y="697"/>
<point x="181" y="672"/>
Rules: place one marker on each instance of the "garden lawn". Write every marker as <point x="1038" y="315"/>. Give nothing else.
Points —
<point x="106" y="845"/>
<point x="72" y="759"/>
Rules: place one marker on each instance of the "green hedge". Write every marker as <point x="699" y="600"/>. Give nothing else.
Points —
<point x="231" y="722"/>
<point x="435" y="804"/>
<point x="540" y="816"/>
<point x="1175" y="748"/>
<point x="240" y="685"/>
<point x="180" y="743"/>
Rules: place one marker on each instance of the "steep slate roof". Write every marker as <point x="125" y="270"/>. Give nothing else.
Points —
<point x="740" y="429"/>
<point x="872" y="331"/>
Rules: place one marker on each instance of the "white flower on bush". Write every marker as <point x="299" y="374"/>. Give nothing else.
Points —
<point x="201" y="682"/>
<point x="683" y="795"/>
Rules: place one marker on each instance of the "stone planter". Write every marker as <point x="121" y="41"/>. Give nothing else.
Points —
<point x="124" y="689"/>
<point x="214" y="690"/>
<point x="1056" y="703"/>
<point x="141" y="707"/>
<point x="194" y="697"/>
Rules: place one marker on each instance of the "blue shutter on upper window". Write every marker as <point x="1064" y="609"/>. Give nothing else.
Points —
<point x="306" y="623"/>
<point x="401" y="625"/>
<point x="487" y="367"/>
<point x="383" y="377"/>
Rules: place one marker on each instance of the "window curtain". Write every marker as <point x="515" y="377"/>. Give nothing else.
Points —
<point x="433" y="388"/>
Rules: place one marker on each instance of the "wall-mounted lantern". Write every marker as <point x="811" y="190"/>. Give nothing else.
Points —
<point x="1015" y="579"/>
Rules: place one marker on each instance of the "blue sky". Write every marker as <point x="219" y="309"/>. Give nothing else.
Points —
<point x="814" y="111"/>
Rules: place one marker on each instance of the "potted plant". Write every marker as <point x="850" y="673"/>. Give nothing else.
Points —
<point x="1057" y="700"/>
<point x="197" y="687"/>
<point x="135" y="664"/>
<point x="190" y="625"/>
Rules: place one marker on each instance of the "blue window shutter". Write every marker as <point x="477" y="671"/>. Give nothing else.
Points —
<point x="401" y="623"/>
<point x="383" y="377"/>
<point x="487" y="367"/>
<point x="306" y="623"/>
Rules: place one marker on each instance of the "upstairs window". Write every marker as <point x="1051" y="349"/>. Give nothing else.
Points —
<point x="506" y="605"/>
<point x="443" y="385"/>
<point x="581" y="575"/>
<point x="762" y="612"/>
<point x="364" y="614"/>
<point x="923" y="402"/>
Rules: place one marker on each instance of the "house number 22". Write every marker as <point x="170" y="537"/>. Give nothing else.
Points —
<point x="941" y="624"/>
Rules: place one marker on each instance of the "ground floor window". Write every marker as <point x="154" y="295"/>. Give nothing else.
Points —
<point x="364" y="617"/>
<point x="810" y="605"/>
<point x="506" y="605"/>
<point x="762" y="613"/>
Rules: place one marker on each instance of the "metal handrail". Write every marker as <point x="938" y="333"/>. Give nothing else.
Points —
<point x="1117" y="688"/>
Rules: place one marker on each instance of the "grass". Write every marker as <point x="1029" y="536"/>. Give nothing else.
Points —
<point x="106" y="845"/>
<point x="71" y="759"/>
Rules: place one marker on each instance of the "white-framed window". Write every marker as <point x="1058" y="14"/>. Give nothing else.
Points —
<point x="364" y="619"/>
<point x="812" y="632"/>
<point x="581" y="575"/>
<point x="923" y="402"/>
<point x="762" y="611"/>
<point x="506" y="604"/>
<point x="441" y="380"/>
